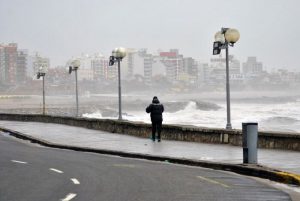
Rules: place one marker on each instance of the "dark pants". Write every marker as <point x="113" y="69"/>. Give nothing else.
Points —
<point x="156" y="125"/>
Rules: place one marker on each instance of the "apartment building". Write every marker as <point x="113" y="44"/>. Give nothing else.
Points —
<point x="252" y="66"/>
<point x="8" y="63"/>
<point x="39" y="62"/>
<point x="101" y="69"/>
<point x="21" y="71"/>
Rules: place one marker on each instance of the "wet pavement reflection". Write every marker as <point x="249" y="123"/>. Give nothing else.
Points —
<point x="83" y="137"/>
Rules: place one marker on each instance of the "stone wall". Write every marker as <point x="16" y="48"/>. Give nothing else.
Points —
<point x="271" y="140"/>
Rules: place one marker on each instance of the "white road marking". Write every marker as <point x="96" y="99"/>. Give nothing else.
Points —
<point x="56" y="170"/>
<point x="70" y="196"/>
<point x="22" y="162"/>
<point x="213" y="181"/>
<point x="75" y="181"/>
<point x="124" y="165"/>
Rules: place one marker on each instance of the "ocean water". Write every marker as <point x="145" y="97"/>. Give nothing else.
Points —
<point x="269" y="116"/>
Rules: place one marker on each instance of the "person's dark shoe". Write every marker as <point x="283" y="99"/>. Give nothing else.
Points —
<point x="153" y="139"/>
<point x="158" y="140"/>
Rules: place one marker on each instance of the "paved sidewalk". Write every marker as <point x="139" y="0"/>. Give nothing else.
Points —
<point x="82" y="137"/>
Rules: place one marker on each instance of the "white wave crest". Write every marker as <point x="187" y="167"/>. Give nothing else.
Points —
<point x="267" y="116"/>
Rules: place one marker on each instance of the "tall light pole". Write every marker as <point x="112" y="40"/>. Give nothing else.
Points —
<point x="74" y="67"/>
<point x="42" y="73"/>
<point x="223" y="39"/>
<point x="117" y="55"/>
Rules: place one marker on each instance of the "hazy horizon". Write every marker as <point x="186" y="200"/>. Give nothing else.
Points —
<point x="66" y="28"/>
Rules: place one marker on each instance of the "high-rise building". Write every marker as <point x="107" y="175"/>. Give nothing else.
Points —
<point x="252" y="67"/>
<point x="190" y="68"/>
<point x="174" y="64"/>
<point x="148" y="61"/>
<point x="21" y="72"/>
<point x="85" y="71"/>
<point x="100" y="68"/>
<point x="218" y="66"/>
<point x="129" y="64"/>
<point x="2" y="64"/>
<point x="188" y="65"/>
<point x="139" y="63"/>
<point x="203" y="73"/>
<point x="39" y="62"/>
<point x="148" y="66"/>
<point x="94" y="67"/>
<point x="111" y="72"/>
<point x="169" y="64"/>
<point x="8" y="63"/>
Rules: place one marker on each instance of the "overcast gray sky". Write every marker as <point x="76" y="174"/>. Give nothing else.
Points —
<point x="60" y="29"/>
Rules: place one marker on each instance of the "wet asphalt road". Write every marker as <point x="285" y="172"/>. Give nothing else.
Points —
<point x="32" y="173"/>
<point x="82" y="137"/>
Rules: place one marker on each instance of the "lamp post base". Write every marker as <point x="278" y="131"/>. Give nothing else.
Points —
<point x="228" y="126"/>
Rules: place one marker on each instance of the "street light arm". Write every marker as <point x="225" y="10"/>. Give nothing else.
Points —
<point x="223" y="30"/>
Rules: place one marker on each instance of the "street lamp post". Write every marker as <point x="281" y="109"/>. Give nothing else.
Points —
<point x="223" y="39"/>
<point x="117" y="55"/>
<point x="74" y="67"/>
<point x="41" y="73"/>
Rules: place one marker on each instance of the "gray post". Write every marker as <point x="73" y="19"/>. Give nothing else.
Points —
<point x="76" y="93"/>
<point x="44" y="110"/>
<point x="120" y="101"/>
<point x="228" y="125"/>
<point x="250" y="142"/>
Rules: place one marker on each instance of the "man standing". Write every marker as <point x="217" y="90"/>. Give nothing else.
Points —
<point x="156" y="109"/>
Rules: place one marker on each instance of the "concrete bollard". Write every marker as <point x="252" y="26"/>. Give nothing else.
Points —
<point x="250" y="136"/>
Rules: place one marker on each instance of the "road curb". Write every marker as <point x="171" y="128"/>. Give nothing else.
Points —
<point x="244" y="169"/>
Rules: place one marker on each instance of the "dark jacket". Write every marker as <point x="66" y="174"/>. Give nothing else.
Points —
<point x="155" y="109"/>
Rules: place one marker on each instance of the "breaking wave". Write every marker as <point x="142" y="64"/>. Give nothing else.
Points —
<point x="271" y="117"/>
<point x="280" y="120"/>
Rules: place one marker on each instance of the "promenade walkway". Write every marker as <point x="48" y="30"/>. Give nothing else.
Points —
<point x="82" y="137"/>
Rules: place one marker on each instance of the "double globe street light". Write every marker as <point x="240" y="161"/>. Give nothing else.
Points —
<point x="117" y="55"/>
<point x="41" y="73"/>
<point x="74" y="67"/>
<point x="223" y="39"/>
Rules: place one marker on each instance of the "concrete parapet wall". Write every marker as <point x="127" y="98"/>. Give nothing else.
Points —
<point x="270" y="140"/>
